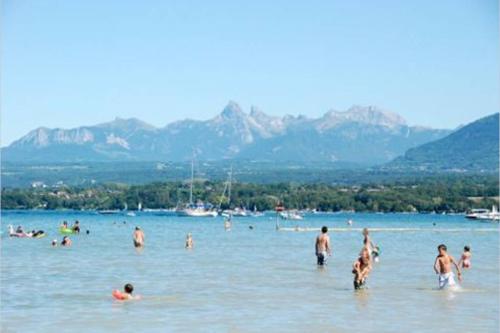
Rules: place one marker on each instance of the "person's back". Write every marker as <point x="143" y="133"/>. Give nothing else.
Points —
<point x="138" y="237"/>
<point x="465" y="260"/>
<point x="323" y="246"/>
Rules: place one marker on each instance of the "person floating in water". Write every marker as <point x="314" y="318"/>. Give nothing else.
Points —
<point x="64" y="225"/>
<point x="323" y="248"/>
<point x="76" y="227"/>
<point x="36" y="234"/>
<point x="465" y="259"/>
<point x="126" y="295"/>
<point x="442" y="266"/>
<point x="189" y="241"/>
<point x="361" y="268"/>
<point x="138" y="237"/>
<point x="66" y="241"/>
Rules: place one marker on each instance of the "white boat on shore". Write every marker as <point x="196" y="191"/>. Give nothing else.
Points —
<point x="199" y="209"/>
<point x="291" y="215"/>
<point x="484" y="214"/>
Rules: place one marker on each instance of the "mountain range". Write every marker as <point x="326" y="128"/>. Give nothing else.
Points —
<point x="472" y="147"/>
<point x="360" y="135"/>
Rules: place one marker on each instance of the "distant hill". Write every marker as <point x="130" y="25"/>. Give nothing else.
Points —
<point x="474" y="147"/>
<point x="361" y="136"/>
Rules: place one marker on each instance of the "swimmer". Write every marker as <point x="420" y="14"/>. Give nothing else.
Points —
<point x="361" y="268"/>
<point x="322" y="246"/>
<point x="442" y="266"/>
<point x="465" y="259"/>
<point x="126" y="295"/>
<point x="66" y="241"/>
<point x="250" y="227"/>
<point x="349" y="222"/>
<point x="37" y="233"/>
<point x="138" y="237"/>
<point x="76" y="227"/>
<point x="189" y="241"/>
<point x="88" y="231"/>
<point x="64" y="225"/>
<point x="54" y="243"/>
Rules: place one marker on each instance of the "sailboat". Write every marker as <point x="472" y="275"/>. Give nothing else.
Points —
<point x="199" y="209"/>
<point x="237" y="211"/>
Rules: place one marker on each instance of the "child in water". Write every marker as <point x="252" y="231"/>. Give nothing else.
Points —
<point x="361" y="268"/>
<point x="66" y="241"/>
<point x="465" y="259"/>
<point x="126" y="295"/>
<point x="189" y="241"/>
<point x="443" y="267"/>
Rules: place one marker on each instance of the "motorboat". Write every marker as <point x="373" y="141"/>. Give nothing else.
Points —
<point x="484" y="214"/>
<point x="291" y="215"/>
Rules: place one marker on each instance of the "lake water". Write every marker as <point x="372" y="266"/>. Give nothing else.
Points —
<point x="244" y="280"/>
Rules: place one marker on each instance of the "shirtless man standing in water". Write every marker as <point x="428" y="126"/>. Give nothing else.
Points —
<point x="442" y="266"/>
<point x="138" y="237"/>
<point x="323" y="246"/>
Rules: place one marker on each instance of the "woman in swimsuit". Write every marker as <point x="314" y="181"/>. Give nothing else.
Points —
<point x="465" y="259"/>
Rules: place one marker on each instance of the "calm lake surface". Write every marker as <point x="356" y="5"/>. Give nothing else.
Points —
<point x="244" y="280"/>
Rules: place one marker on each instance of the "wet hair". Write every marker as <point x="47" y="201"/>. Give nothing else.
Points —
<point x="324" y="229"/>
<point x="137" y="228"/>
<point x="65" y="222"/>
<point x="442" y="247"/>
<point x="128" y="288"/>
<point x="77" y="222"/>
<point x="467" y="248"/>
<point x="88" y="231"/>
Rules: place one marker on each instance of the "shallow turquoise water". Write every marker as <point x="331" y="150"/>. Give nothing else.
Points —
<point x="244" y="280"/>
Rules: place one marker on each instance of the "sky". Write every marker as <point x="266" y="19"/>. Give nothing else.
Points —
<point x="72" y="63"/>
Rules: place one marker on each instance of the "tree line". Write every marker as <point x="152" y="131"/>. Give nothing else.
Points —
<point x="433" y="195"/>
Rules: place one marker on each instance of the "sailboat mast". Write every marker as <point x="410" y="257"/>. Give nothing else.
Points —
<point x="229" y="186"/>
<point x="192" y="180"/>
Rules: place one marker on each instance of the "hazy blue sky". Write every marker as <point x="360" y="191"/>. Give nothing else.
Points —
<point x="71" y="63"/>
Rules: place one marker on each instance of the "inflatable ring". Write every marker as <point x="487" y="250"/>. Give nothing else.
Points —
<point x="66" y="231"/>
<point x="118" y="295"/>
